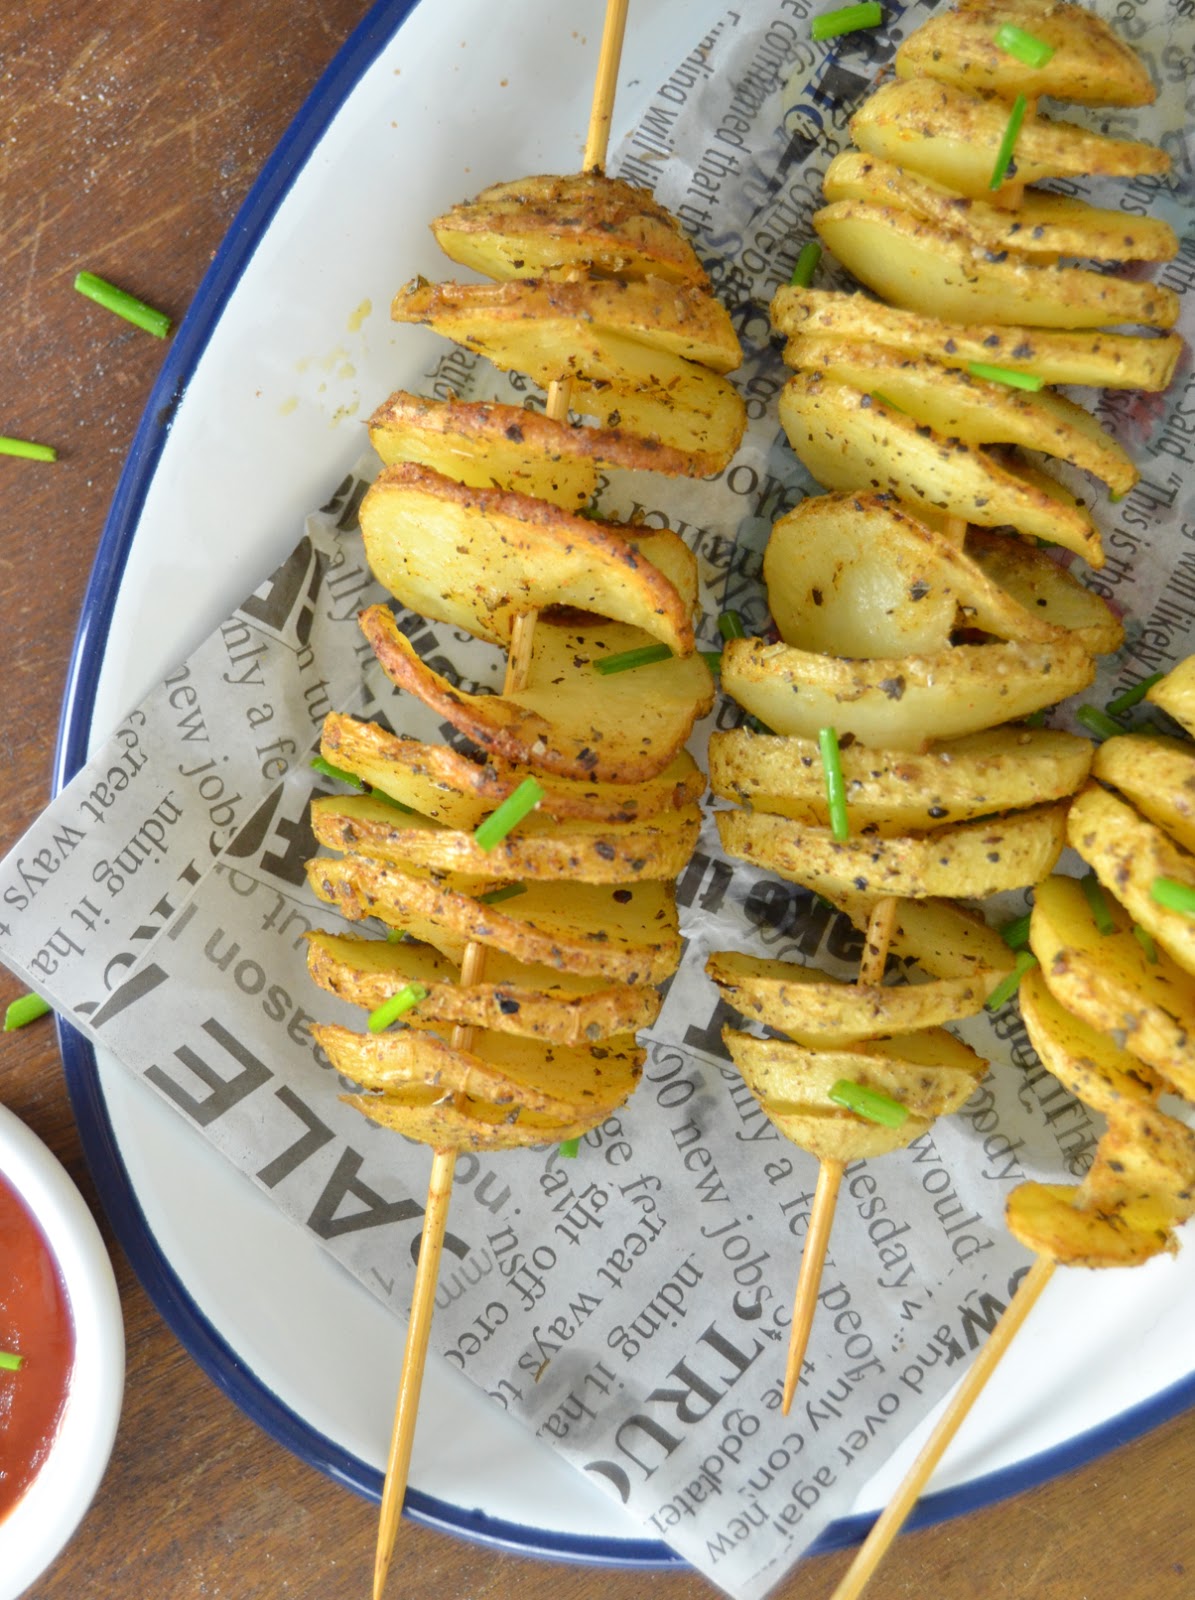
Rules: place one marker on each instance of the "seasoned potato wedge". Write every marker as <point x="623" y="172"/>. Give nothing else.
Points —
<point x="823" y="1012"/>
<point x="531" y="1001"/>
<point x="478" y="558"/>
<point x="941" y="937"/>
<point x="1051" y="1220"/>
<point x="570" y="720"/>
<point x="895" y="792"/>
<point x="926" y="267"/>
<point x="1096" y="360"/>
<point x="1127" y="853"/>
<point x="1032" y="583"/>
<point x="585" y="852"/>
<point x="438" y="782"/>
<point x="1145" y="1166"/>
<point x="545" y="226"/>
<point x="902" y="704"/>
<point x="1085" y="1061"/>
<point x="1155" y="775"/>
<point x="1175" y="694"/>
<point x="430" y="1117"/>
<point x="953" y="137"/>
<point x="971" y="860"/>
<point x="850" y="440"/>
<point x="1042" y="224"/>
<point x="628" y="934"/>
<point x="1091" y="65"/>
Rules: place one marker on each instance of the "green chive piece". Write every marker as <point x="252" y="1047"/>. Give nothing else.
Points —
<point x="1173" y="895"/>
<point x="10" y="1361"/>
<point x="1004" y="990"/>
<point x="868" y="1103"/>
<point x="508" y="815"/>
<point x="318" y="764"/>
<point x="806" y="264"/>
<point x="645" y="656"/>
<point x="390" y="1010"/>
<point x="1146" y="941"/>
<point x="1008" y="142"/>
<point x="389" y="800"/>
<point x="123" y="304"/>
<point x="396" y="935"/>
<point x="1115" y="499"/>
<point x="712" y="659"/>
<point x="1097" y="903"/>
<point x="730" y="626"/>
<point x="570" y="1147"/>
<point x="1026" y="47"/>
<point x="756" y="726"/>
<point x="1006" y="375"/>
<point x="24" y="1010"/>
<point x="1036" y="719"/>
<point x="886" y="400"/>
<point x="496" y="896"/>
<point x="27" y="449"/>
<point x="847" y="19"/>
<point x="840" y="826"/>
<point x="1133" y="696"/>
<point x="1016" y="933"/>
<point x="1098" y="722"/>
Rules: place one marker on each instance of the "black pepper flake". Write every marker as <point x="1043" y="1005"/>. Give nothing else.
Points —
<point x="622" y="896"/>
<point x="894" y="688"/>
<point x="507" y="1006"/>
<point x="918" y="589"/>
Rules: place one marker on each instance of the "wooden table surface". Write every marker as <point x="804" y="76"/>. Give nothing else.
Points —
<point x="129" y="134"/>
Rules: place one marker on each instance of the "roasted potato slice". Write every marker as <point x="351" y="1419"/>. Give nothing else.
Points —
<point x="1085" y="1061"/>
<point x="478" y="558"/>
<point x="1042" y="224"/>
<point x="1052" y="1220"/>
<point x="1127" y="853"/>
<point x="1095" y="360"/>
<point x="940" y="936"/>
<point x="438" y="782"/>
<point x="895" y="792"/>
<point x="585" y="852"/>
<point x="529" y="1001"/>
<point x="1155" y="775"/>
<point x="546" y="226"/>
<point x="628" y="934"/>
<point x="489" y="445"/>
<point x="902" y="704"/>
<point x="971" y="860"/>
<point x="975" y="410"/>
<point x="926" y="267"/>
<point x="953" y="137"/>
<point x="850" y="440"/>
<point x="430" y="1117"/>
<point x="823" y="1012"/>
<point x="1145" y="1006"/>
<point x="570" y="720"/>
<point x="1032" y="583"/>
<point x="1091" y="65"/>
<point x="561" y="1081"/>
<point x="1175" y="694"/>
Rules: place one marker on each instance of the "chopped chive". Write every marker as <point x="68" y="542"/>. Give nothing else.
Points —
<point x="886" y="400"/>
<point x="1016" y="933"/>
<point x="1007" y="987"/>
<point x="10" y="1361"/>
<point x="389" y="800"/>
<point x="730" y="626"/>
<point x="123" y="304"/>
<point x="396" y="935"/>
<point x="1008" y="142"/>
<point x="1097" y="903"/>
<point x="1098" y="722"/>
<point x="1006" y="375"/>
<point x="840" y="825"/>
<point x="1173" y="895"/>
<point x="712" y="659"/>
<point x="318" y="764"/>
<point x="570" y="1147"/>
<point x="645" y="656"/>
<point x="1146" y="941"/>
<point x="390" y="1010"/>
<point x="24" y="1010"/>
<point x="27" y="449"/>
<point x="1026" y="47"/>
<point x="1133" y="696"/>
<point x="508" y="815"/>
<point x="847" y="19"/>
<point x="868" y="1103"/>
<point x="497" y="895"/>
<point x="756" y="726"/>
<point x="1036" y="719"/>
<point x="1115" y="498"/>
<point x="806" y="263"/>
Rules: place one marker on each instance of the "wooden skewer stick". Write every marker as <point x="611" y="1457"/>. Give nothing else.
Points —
<point x="873" y="1549"/>
<point x="435" y="1216"/>
<point x="829" y="1178"/>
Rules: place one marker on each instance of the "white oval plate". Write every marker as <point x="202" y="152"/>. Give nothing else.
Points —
<point x="287" y="348"/>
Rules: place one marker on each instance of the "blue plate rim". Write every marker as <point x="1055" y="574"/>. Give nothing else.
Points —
<point x="249" y="1392"/>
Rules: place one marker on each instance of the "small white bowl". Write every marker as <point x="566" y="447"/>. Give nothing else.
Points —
<point x="41" y="1523"/>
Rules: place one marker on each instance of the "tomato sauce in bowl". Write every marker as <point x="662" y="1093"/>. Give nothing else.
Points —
<point x="36" y="1325"/>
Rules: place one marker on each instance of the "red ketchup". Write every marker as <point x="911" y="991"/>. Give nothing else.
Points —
<point x="35" y="1323"/>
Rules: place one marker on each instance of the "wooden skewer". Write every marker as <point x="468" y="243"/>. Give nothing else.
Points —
<point x="435" y="1216"/>
<point x="880" y="925"/>
<point x="873" y="1549"/>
